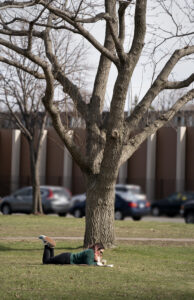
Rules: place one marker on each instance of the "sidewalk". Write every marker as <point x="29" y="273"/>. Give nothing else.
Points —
<point x="117" y="239"/>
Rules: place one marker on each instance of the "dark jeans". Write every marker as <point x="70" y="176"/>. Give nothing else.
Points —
<point x="49" y="258"/>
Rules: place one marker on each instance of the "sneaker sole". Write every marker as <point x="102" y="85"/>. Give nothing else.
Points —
<point x="50" y="242"/>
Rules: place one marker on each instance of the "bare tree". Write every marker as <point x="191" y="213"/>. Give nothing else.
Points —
<point x="112" y="140"/>
<point x="21" y="93"/>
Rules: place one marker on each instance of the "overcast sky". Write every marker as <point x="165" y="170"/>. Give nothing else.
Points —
<point x="142" y="76"/>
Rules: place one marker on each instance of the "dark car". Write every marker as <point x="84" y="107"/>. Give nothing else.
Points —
<point x="78" y="206"/>
<point x="54" y="200"/>
<point x="135" y="208"/>
<point x="170" y="205"/>
<point x="187" y="211"/>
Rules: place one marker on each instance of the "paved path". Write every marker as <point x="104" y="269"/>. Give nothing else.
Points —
<point x="18" y="238"/>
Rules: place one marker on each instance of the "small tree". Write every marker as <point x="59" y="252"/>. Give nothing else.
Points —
<point x="21" y="93"/>
<point x="110" y="140"/>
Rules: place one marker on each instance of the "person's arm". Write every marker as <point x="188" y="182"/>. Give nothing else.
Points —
<point x="99" y="264"/>
<point x="89" y="259"/>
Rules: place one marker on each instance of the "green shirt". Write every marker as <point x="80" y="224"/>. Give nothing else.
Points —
<point x="85" y="257"/>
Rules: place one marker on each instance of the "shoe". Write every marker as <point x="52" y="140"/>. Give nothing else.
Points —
<point x="47" y="241"/>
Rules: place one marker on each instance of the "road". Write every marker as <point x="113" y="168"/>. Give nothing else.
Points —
<point x="164" y="219"/>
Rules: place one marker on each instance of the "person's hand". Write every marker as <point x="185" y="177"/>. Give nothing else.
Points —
<point x="104" y="261"/>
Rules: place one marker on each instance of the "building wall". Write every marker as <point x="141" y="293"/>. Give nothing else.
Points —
<point x="25" y="172"/>
<point x="165" y="162"/>
<point x="189" y="161"/>
<point x="163" y="168"/>
<point x="5" y="160"/>
<point x="137" y="167"/>
<point x="54" y="159"/>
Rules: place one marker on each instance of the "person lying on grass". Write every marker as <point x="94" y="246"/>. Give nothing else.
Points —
<point x="90" y="256"/>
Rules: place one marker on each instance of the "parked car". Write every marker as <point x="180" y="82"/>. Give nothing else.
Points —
<point x="78" y="198"/>
<point x="170" y="205"/>
<point x="78" y="206"/>
<point x="187" y="211"/>
<point x="54" y="200"/>
<point x="126" y="190"/>
<point x="135" y="207"/>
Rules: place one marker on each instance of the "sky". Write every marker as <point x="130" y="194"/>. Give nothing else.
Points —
<point x="142" y="76"/>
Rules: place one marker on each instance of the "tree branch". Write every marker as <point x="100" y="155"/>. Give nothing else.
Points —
<point x="121" y="13"/>
<point x="69" y="19"/>
<point x="64" y="133"/>
<point x="14" y="4"/>
<point x="11" y="32"/>
<point x="177" y="55"/>
<point x="159" y="84"/>
<point x="140" y="29"/>
<point x="68" y="87"/>
<point x="118" y="45"/>
<point x="22" y="67"/>
<point x="98" y="17"/>
<point x="82" y="31"/>
<point x="180" y="84"/>
<point x="48" y="102"/>
<point x="138" y="139"/>
<point x="34" y="58"/>
<point x="17" y="119"/>
<point x="78" y="8"/>
<point x="101" y="79"/>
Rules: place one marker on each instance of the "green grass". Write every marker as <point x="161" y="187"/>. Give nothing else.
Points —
<point x="141" y="270"/>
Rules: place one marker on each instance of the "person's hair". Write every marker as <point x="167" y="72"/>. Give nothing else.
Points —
<point x="96" y="247"/>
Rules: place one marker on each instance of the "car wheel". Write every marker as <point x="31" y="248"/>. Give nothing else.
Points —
<point x="62" y="214"/>
<point x="6" y="210"/>
<point x="155" y="211"/>
<point x="77" y="213"/>
<point x="189" y="219"/>
<point x="136" y="218"/>
<point x="118" y="215"/>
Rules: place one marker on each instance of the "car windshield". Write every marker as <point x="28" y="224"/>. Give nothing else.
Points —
<point x="136" y="189"/>
<point x="59" y="192"/>
<point x="23" y="192"/>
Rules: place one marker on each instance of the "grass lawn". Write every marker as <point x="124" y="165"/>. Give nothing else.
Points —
<point x="141" y="270"/>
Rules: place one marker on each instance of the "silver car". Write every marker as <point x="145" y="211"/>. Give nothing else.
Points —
<point x="130" y="191"/>
<point x="54" y="200"/>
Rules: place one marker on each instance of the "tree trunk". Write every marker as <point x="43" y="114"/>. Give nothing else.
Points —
<point x="37" y="200"/>
<point x="100" y="211"/>
<point x="35" y="163"/>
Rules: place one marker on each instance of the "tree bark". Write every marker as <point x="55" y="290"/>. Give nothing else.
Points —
<point x="100" y="211"/>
